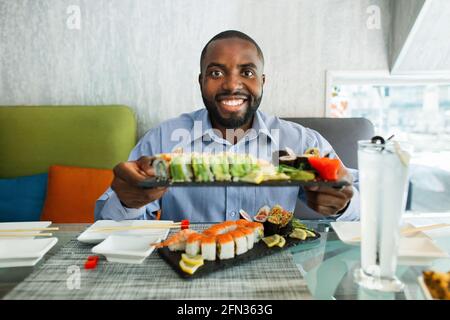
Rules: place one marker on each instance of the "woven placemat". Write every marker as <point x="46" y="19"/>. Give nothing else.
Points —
<point x="62" y="276"/>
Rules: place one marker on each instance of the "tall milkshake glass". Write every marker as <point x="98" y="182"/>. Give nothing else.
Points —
<point x="383" y="178"/>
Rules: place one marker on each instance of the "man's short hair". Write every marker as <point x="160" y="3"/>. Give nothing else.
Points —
<point x="228" y="35"/>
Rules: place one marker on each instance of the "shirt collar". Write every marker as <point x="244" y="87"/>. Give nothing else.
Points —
<point x="203" y="127"/>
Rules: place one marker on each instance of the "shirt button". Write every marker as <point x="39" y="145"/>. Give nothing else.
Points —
<point x="233" y="214"/>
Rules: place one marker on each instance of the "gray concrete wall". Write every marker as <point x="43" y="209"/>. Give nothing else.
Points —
<point x="144" y="53"/>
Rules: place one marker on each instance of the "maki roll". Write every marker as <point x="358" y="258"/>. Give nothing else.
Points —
<point x="242" y="223"/>
<point x="248" y="232"/>
<point x="241" y="165"/>
<point x="180" y="169"/>
<point x="201" y="167"/>
<point x="263" y="214"/>
<point x="220" y="167"/>
<point x="279" y="221"/>
<point x="258" y="230"/>
<point x="237" y="168"/>
<point x="208" y="246"/>
<point x="225" y="246"/>
<point x="240" y="241"/>
<point x="193" y="243"/>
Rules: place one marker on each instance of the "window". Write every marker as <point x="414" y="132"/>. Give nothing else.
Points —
<point x="414" y="109"/>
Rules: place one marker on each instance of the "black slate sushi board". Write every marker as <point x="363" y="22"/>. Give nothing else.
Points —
<point x="258" y="251"/>
<point x="152" y="183"/>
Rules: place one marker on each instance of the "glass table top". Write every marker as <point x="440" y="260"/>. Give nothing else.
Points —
<point x="327" y="265"/>
<point x="328" y="269"/>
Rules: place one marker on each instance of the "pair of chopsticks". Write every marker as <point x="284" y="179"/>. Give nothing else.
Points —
<point x="407" y="231"/>
<point x="31" y="232"/>
<point x="143" y="227"/>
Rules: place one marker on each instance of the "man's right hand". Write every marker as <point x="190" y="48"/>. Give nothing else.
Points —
<point x="127" y="175"/>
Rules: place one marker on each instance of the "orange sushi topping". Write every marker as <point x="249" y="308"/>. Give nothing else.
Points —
<point x="208" y="239"/>
<point x="194" y="237"/>
<point x="245" y="230"/>
<point x="224" y="238"/>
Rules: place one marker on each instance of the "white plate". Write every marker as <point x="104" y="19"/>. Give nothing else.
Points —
<point x="23" y="225"/>
<point x="413" y="250"/>
<point x="126" y="248"/>
<point x="347" y="231"/>
<point x="24" y="252"/>
<point x="89" y="236"/>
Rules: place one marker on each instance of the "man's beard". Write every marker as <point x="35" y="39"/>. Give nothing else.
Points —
<point x="233" y="122"/>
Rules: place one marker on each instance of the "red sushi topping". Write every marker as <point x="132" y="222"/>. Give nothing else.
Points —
<point x="326" y="167"/>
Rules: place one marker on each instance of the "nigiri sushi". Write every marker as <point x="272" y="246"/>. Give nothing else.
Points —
<point x="225" y="246"/>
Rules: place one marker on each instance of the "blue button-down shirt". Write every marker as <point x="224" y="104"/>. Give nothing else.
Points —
<point x="194" y="132"/>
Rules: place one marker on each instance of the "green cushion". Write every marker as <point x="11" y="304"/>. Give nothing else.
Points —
<point x="33" y="138"/>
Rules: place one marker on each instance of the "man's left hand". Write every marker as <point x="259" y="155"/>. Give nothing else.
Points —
<point x="330" y="201"/>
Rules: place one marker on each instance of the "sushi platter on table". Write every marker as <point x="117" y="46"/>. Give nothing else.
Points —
<point x="194" y="254"/>
<point x="180" y="169"/>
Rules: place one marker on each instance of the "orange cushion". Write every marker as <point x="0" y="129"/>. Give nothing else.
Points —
<point x="72" y="192"/>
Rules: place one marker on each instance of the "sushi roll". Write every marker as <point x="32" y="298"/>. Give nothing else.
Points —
<point x="250" y="237"/>
<point x="229" y="225"/>
<point x="258" y="230"/>
<point x="225" y="246"/>
<point x="193" y="244"/>
<point x="201" y="167"/>
<point x="240" y="241"/>
<point x="262" y="214"/>
<point x="237" y="167"/>
<point x="242" y="223"/>
<point x="208" y="246"/>
<point x="242" y="166"/>
<point x="161" y="164"/>
<point x="220" y="167"/>
<point x="180" y="169"/>
<point x="215" y="230"/>
<point x="279" y="221"/>
<point x="177" y="242"/>
<point x="250" y="164"/>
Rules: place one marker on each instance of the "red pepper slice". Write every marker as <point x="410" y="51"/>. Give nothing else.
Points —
<point x="326" y="167"/>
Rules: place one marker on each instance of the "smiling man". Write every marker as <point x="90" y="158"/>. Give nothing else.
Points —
<point x="231" y="81"/>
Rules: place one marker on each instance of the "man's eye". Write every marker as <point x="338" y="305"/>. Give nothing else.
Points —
<point x="216" y="73"/>
<point x="248" y="73"/>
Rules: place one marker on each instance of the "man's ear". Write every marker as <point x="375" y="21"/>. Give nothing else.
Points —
<point x="200" y="76"/>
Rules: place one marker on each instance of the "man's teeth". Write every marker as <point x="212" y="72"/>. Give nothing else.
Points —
<point x="234" y="102"/>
